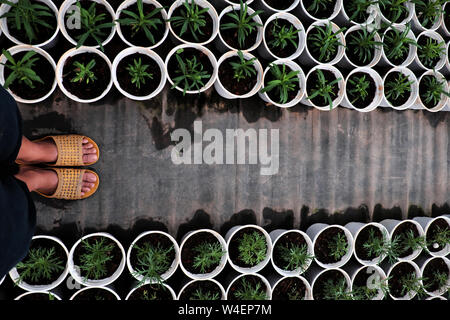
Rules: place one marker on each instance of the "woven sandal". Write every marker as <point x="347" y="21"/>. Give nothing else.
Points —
<point x="70" y="182"/>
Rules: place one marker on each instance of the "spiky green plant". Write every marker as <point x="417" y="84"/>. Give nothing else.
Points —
<point x="40" y="264"/>
<point x="382" y="247"/>
<point x="191" y="18"/>
<point x="398" y="87"/>
<point x="394" y="9"/>
<point x="94" y="260"/>
<point x="338" y="246"/>
<point x="412" y="283"/>
<point x="357" y="88"/>
<point x="324" y="41"/>
<point x="250" y="292"/>
<point x="204" y="296"/>
<point x="138" y="72"/>
<point x="408" y="241"/>
<point x="319" y="5"/>
<point x="252" y="248"/>
<point x="283" y="35"/>
<point x="441" y="237"/>
<point x="369" y="292"/>
<point x="434" y="89"/>
<point x="430" y="51"/>
<point x="357" y="9"/>
<point x="428" y="11"/>
<point x="324" y="89"/>
<point x="244" y="68"/>
<point x="397" y="43"/>
<point x="84" y="73"/>
<point x="295" y="256"/>
<point x="207" y="255"/>
<point x="283" y="82"/>
<point x="152" y="261"/>
<point x="362" y="42"/>
<point x="336" y="290"/>
<point x="21" y="70"/>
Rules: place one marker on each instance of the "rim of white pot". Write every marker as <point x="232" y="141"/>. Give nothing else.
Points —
<point x="172" y="292"/>
<point x="426" y="222"/>
<point x="203" y="4"/>
<point x="4" y="26"/>
<point x="95" y="287"/>
<point x="62" y="22"/>
<point x="223" y="92"/>
<point x="206" y="51"/>
<point x="444" y="98"/>
<point x="337" y="8"/>
<point x="34" y="292"/>
<point x="419" y="26"/>
<point x="347" y="17"/>
<point x="221" y="288"/>
<point x="436" y="298"/>
<point x="340" y="51"/>
<point x="173" y="267"/>
<point x="266" y="282"/>
<point x="144" y="51"/>
<point x="414" y="89"/>
<point x="443" y="26"/>
<point x="259" y="266"/>
<point x="355" y="228"/>
<point x="248" y="2"/>
<point x="14" y="274"/>
<point x="392" y="225"/>
<point x="321" y="272"/>
<point x="75" y="273"/>
<point x="301" y="36"/>
<point x="60" y="67"/>
<point x="447" y="60"/>
<point x="418" y="275"/>
<point x="128" y="3"/>
<point x="43" y="53"/>
<point x="308" y="292"/>
<point x="275" y="235"/>
<point x="302" y="84"/>
<point x="257" y="18"/>
<point x="436" y="36"/>
<point x="267" y="7"/>
<point x="223" y="260"/>
<point x="379" y="89"/>
<point x="408" y="18"/>
<point x="341" y="84"/>
<point x="314" y="232"/>
<point x="444" y="289"/>
<point x="378" y="51"/>
<point x="376" y="269"/>
<point x="2" y="279"/>
<point x="412" y="49"/>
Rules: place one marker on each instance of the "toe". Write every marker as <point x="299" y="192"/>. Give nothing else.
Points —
<point x="89" y="178"/>
<point x="89" y="158"/>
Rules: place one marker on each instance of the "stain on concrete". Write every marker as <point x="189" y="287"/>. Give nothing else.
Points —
<point x="200" y="220"/>
<point x="243" y="217"/>
<point x="380" y="213"/>
<point x="277" y="219"/>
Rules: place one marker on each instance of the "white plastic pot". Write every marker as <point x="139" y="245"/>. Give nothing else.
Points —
<point x="264" y="49"/>
<point x="302" y="84"/>
<point x="128" y="3"/>
<point x="2" y="279"/>
<point x="414" y="94"/>
<point x="444" y="289"/>
<point x="275" y="235"/>
<point x="229" y="236"/>
<point x="377" y="276"/>
<point x="60" y="67"/>
<point x="75" y="270"/>
<point x="268" y="10"/>
<point x="308" y="59"/>
<point x="379" y="89"/>
<point x="391" y="225"/>
<point x="408" y="18"/>
<point x="223" y="46"/>
<point x="35" y="292"/>
<point x="14" y="274"/>
<point x="436" y="298"/>
<point x="73" y="297"/>
<point x="304" y="14"/>
<point x="202" y="4"/>
<point x="418" y="27"/>
<point x="314" y="232"/>
<point x="144" y="51"/>
<point x="43" y="53"/>
<point x="436" y="36"/>
<point x="446" y="69"/>
<point x="426" y="222"/>
<point x="343" y="17"/>
<point x="49" y="43"/>
<point x="346" y="62"/>
<point x="308" y="293"/>
<point x="444" y="98"/>
<point x="355" y="228"/>
<point x="221" y="288"/>
<point x="316" y="273"/>
<point x="223" y="260"/>
<point x="268" y="288"/>
<point x="384" y="61"/>
<point x="443" y="30"/>
<point x="341" y="85"/>
<point x="172" y="293"/>
<point x="173" y="267"/>
<point x="70" y="4"/>
<point x="409" y="295"/>
<point x="223" y="92"/>
<point x="207" y="52"/>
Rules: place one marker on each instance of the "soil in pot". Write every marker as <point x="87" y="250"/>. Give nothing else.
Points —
<point x="151" y="292"/>
<point x="75" y="33"/>
<point x="362" y="15"/>
<point x="38" y="296"/>
<point x="188" y="253"/>
<point x="401" y="231"/>
<point x="321" y="12"/>
<point x="435" y="227"/>
<point x="279" y="4"/>
<point x="313" y="83"/>
<point x="401" y="100"/>
<point x="362" y="238"/>
<point x="251" y="281"/>
<point x="319" y="285"/>
<point x="110" y="266"/>
<point x="42" y="33"/>
<point x="273" y="28"/>
<point x="124" y="77"/>
<point x="274" y="94"/>
<point x="226" y="76"/>
<point x="81" y="89"/>
<point x="401" y="270"/>
<point x="321" y="246"/>
<point x="363" y="279"/>
<point x="291" y="288"/>
<point x="389" y="14"/>
<point x="59" y="254"/>
<point x="356" y="98"/>
<point x="43" y="69"/>
<point x="286" y="240"/>
<point x="201" y="290"/>
<point x="233" y="246"/>
<point x="435" y="266"/>
<point x="230" y="36"/>
<point x="139" y="38"/>
<point x="206" y="31"/>
<point x="95" y="294"/>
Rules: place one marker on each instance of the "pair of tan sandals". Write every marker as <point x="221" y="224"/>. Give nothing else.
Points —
<point x="70" y="154"/>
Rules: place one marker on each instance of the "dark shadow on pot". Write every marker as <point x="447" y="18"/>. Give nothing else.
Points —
<point x="360" y="214"/>
<point x="415" y="211"/>
<point x="68" y="233"/>
<point x="243" y="217"/>
<point x="379" y="213"/>
<point x="200" y="220"/>
<point x="278" y="220"/>
<point x="434" y="118"/>
<point x="440" y="210"/>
